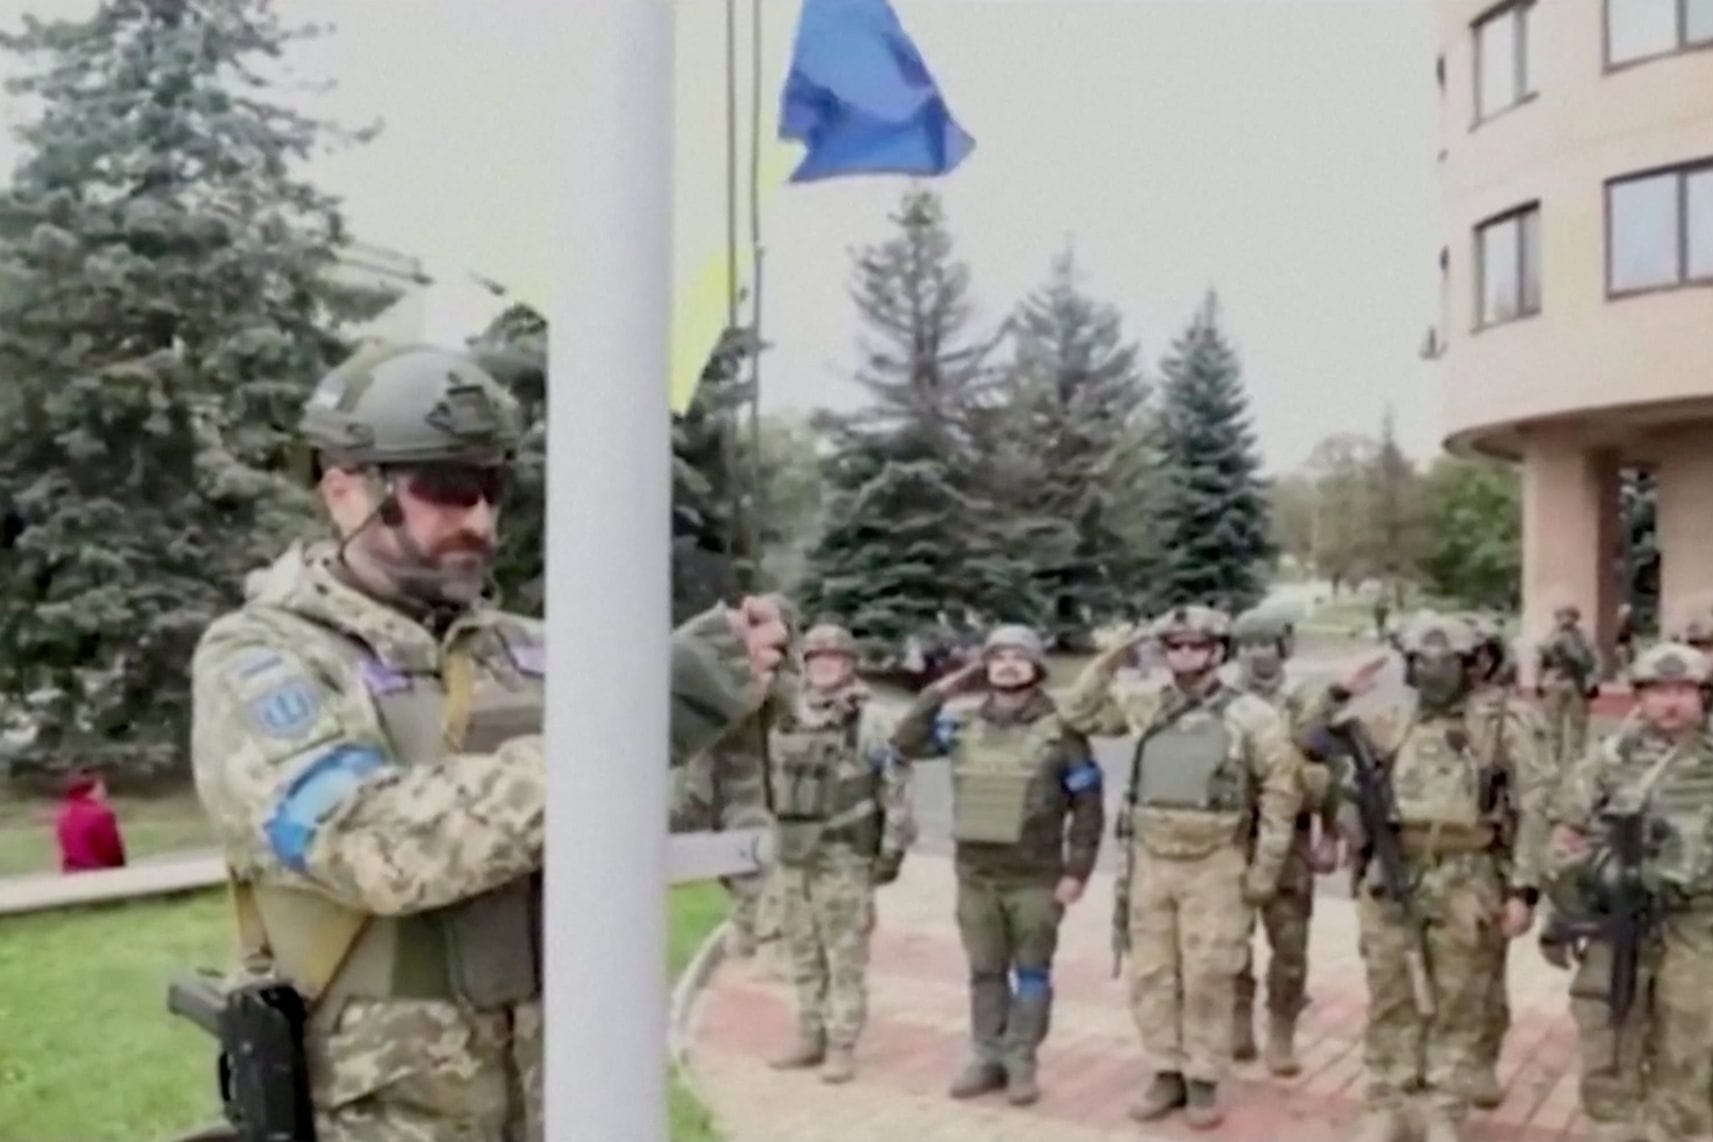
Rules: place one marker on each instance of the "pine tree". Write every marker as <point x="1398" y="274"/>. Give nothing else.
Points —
<point x="713" y="524"/>
<point x="169" y="299"/>
<point x="1076" y="404"/>
<point x="1213" y="521"/>
<point x="1639" y="561"/>
<point x="906" y="538"/>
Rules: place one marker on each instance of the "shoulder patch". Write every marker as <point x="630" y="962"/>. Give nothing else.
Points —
<point x="380" y="677"/>
<point x="287" y="710"/>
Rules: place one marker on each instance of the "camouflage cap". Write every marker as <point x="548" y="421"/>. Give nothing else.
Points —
<point x="1444" y="634"/>
<point x="829" y="638"/>
<point x="1695" y="621"/>
<point x="1258" y="625"/>
<point x="1016" y="636"/>
<point x="411" y="404"/>
<point x="1669" y="662"/>
<point x="1192" y="621"/>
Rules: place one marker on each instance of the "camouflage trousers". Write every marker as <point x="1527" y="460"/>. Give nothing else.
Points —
<point x="1680" y="1063"/>
<point x="1612" y="1088"/>
<point x="427" y="1071"/>
<point x="1498" y="1009"/>
<point x="1010" y="933"/>
<point x="1285" y="919"/>
<point x="755" y="910"/>
<point x="1566" y="713"/>
<point x="1460" y="897"/>
<point x="827" y="914"/>
<point x="1189" y="931"/>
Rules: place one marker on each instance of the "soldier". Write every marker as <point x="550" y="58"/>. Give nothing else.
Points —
<point x="842" y="805"/>
<point x="1213" y="767"/>
<point x="1263" y="644"/>
<point x="1492" y="701"/>
<point x="1658" y="765"/>
<point x="1026" y="821"/>
<point x="1567" y="676"/>
<point x="1696" y="627"/>
<point x="366" y="740"/>
<point x="1468" y="794"/>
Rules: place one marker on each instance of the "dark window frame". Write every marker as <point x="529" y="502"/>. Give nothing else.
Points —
<point x="1682" y="46"/>
<point x="1681" y="174"/>
<point x="1522" y="11"/>
<point x="1516" y="214"/>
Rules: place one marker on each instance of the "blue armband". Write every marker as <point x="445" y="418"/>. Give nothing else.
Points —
<point x="1082" y="776"/>
<point x="945" y="733"/>
<point x="1033" y="983"/>
<point x="311" y="798"/>
<point x="882" y="758"/>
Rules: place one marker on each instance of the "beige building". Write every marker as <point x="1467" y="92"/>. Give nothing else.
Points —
<point x="1576" y="333"/>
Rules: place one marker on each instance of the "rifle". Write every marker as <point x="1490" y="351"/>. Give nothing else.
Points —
<point x="1378" y="811"/>
<point x="1626" y="910"/>
<point x="1123" y="831"/>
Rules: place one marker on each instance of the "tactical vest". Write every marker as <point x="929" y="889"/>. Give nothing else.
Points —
<point x="995" y="766"/>
<point x="824" y="789"/>
<point x="1195" y="763"/>
<point x="484" y="951"/>
<point x="1435" y="780"/>
<point x="1682" y="799"/>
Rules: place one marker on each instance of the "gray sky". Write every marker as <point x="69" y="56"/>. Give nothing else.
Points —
<point x="1281" y="150"/>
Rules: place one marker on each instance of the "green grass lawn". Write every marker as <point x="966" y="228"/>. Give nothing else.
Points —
<point x="89" y="1054"/>
<point x="151" y="827"/>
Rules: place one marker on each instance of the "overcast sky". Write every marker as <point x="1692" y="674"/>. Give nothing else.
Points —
<point x="1280" y="150"/>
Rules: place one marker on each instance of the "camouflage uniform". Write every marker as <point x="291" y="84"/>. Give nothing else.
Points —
<point x="1213" y="768"/>
<point x="1026" y="813"/>
<point x="842" y="804"/>
<point x="1470" y="798"/>
<point x="1493" y="701"/>
<point x="1568" y="675"/>
<point x="1262" y="643"/>
<point x="1655" y="1070"/>
<point x="374" y="773"/>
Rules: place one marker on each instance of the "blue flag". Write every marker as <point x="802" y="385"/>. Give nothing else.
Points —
<point x="860" y="98"/>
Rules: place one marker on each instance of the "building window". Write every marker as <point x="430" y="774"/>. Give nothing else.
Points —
<point x="1644" y="29"/>
<point x="1503" y="77"/>
<point x="1508" y="266"/>
<point x="1659" y="229"/>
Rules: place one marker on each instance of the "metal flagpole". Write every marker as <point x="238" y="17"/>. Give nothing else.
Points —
<point x="608" y="610"/>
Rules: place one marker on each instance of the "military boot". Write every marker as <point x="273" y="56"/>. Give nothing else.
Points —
<point x="1438" y="1126"/>
<point x="977" y="1078"/>
<point x="1379" y="1126"/>
<point x="1281" y="1046"/>
<point x="839" y="1066"/>
<point x="1485" y="1090"/>
<point x="1025" y="1028"/>
<point x="1165" y="1093"/>
<point x="1201" y="1105"/>
<point x="809" y="1050"/>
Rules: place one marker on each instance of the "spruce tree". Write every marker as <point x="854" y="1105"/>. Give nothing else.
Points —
<point x="907" y="537"/>
<point x="1213" y="520"/>
<point x="169" y="299"/>
<point x="1076" y="403"/>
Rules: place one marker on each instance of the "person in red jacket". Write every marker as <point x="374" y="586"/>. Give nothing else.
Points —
<point x="88" y="831"/>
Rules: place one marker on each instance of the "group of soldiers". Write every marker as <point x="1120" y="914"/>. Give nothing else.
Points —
<point x="1456" y="806"/>
<point x="367" y="744"/>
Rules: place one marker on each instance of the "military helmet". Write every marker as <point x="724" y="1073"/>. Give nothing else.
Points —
<point x="828" y="638"/>
<point x="1193" y="621"/>
<point x="1695" y="621"/>
<point x="1430" y="631"/>
<point x="1258" y="625"/>
<point x="1563" y="604"/>
<point x="410" y="404"/>
<point x="1669" y="662"/>
<point x="1016" y="636"/>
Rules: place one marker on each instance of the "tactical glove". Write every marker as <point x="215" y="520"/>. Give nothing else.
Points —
<point x="886" y="867"/>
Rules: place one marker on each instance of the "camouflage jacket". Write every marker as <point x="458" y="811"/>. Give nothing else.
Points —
<point x="1065" y="814"/>
<point x="1293" y="699"/>
<point x="1100" y="704"/>
<point x="1462" y="773"/>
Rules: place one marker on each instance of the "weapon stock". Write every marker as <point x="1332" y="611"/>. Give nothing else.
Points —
<point x="197" y="998"/>
<point x="1379" y="823"/>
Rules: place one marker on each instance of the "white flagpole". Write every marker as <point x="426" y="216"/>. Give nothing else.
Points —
<point x="608" y="585"/>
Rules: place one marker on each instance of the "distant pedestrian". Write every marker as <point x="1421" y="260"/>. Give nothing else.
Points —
<point x="87" y="827"/>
